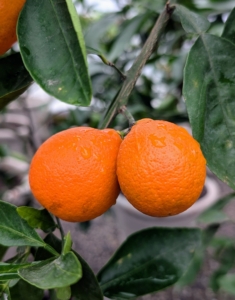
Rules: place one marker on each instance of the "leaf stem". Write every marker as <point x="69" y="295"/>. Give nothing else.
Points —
<point x="109" y="63"/>
<point x="134" y="72"/>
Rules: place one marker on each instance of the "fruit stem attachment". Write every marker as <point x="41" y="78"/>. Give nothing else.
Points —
<point x="61" y="230"/>
<point x="123" y="110"/>
<point x="132" y="75"/>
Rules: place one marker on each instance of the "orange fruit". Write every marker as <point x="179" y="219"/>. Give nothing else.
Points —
<point x="160" y="167"/>
<point x="73" y="173"/>
<point x="9" y="13"/>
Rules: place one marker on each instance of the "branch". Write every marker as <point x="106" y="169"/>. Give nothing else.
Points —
<point x="134" y="72"/>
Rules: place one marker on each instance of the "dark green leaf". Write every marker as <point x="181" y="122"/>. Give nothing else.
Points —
<point x="209" y="91"/>
<point x="195" y="266"/>
<point x="52" y="48"/>
<point x="191" y="22"/>
<point x="37" y="218"/>
<point x="229" y="28"/>
<point x="53" y="273"/>
<point x="3" y="250"/>
<point x="227" y="283"/>
<point x="148" y="261"/>
<point x="16" y="231"/>
<point x="25" y="291"/>
<point x="14" y="78"/>
<point x="54" y="242"/>
<point x="63" y="293"/>
<point x="87" y="288"/>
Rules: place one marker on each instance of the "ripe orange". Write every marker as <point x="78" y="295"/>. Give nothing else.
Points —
<point x="160" y="167"/>
<point x="9" y="12"/>
<point x="73" y="173"/>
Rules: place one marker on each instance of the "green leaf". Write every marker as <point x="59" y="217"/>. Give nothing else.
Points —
<point x="191" y="22"/>
<point x="8" y="271"/>
<point x="229" y="28"/>
<point x="16" y="231"/>
<point x="190" y="275"/>
<point x="14" y="78"/>
<point x="54" y="242"/>
<point x="25" y="291"/>
<point x="3" y="250"/>
<point x="63" y="293"/>
<point x="67" y="243"/>
<point x="129" y="28"/>
<point x="37" y="218"/>
<point x="100" y="27"/>
<point x="148" y="261"/>
<point x="87" y="288"/>
<point x="53" y="273"/>
<point x="227" y="283"/>
<point x="209" y="92"/>
<point x="53" y="51"/>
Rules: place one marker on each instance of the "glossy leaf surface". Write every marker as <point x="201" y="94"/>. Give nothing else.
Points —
<point x="148" y="261"/>
<point x="37" y="218"/>
<point x="52" y="47"/>
<point x="25" y="291"/>
<point x="53" y="273"/>
<point x="209" y="92"/>
<point x="191" y="22"/>
<point x="16" y="231"/>
<point x="229" y="28"/>
<point x="14" y="78"/>
<point x="87" y="288"/>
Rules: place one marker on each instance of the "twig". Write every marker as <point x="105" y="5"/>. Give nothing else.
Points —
<point x="109" y="63"/>
<point x="123" y="110"/>
<point x="60" y="229"/>
<point x="134" y="72"/>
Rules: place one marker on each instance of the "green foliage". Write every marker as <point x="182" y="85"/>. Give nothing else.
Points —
<point x="60" y="68"/>
<point x="53" y="53"/>
<point x="148" y="261"/>
<point x="53" y="273"/>
<point x="37" y="218"/>
<point x="14" y="79"/>
<point x="209" y="91"/>
<point x="192" y="22"/>
<point x="14" y="230"/>
<point x="25" y="291"/>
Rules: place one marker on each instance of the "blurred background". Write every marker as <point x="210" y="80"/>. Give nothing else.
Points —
<point x="119" y="29"/>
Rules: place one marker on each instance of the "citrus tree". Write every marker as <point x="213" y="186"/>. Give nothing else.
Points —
<point x="54" y="55"/>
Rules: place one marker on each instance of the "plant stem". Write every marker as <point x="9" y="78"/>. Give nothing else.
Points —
<point x="109" y="63"/>
<point x="60" y="229"/>
<point x="134" y="72"/>
<point x="123" y="110"/>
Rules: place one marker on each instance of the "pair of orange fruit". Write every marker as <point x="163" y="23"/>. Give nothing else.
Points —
<point x="159" y="167"/>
